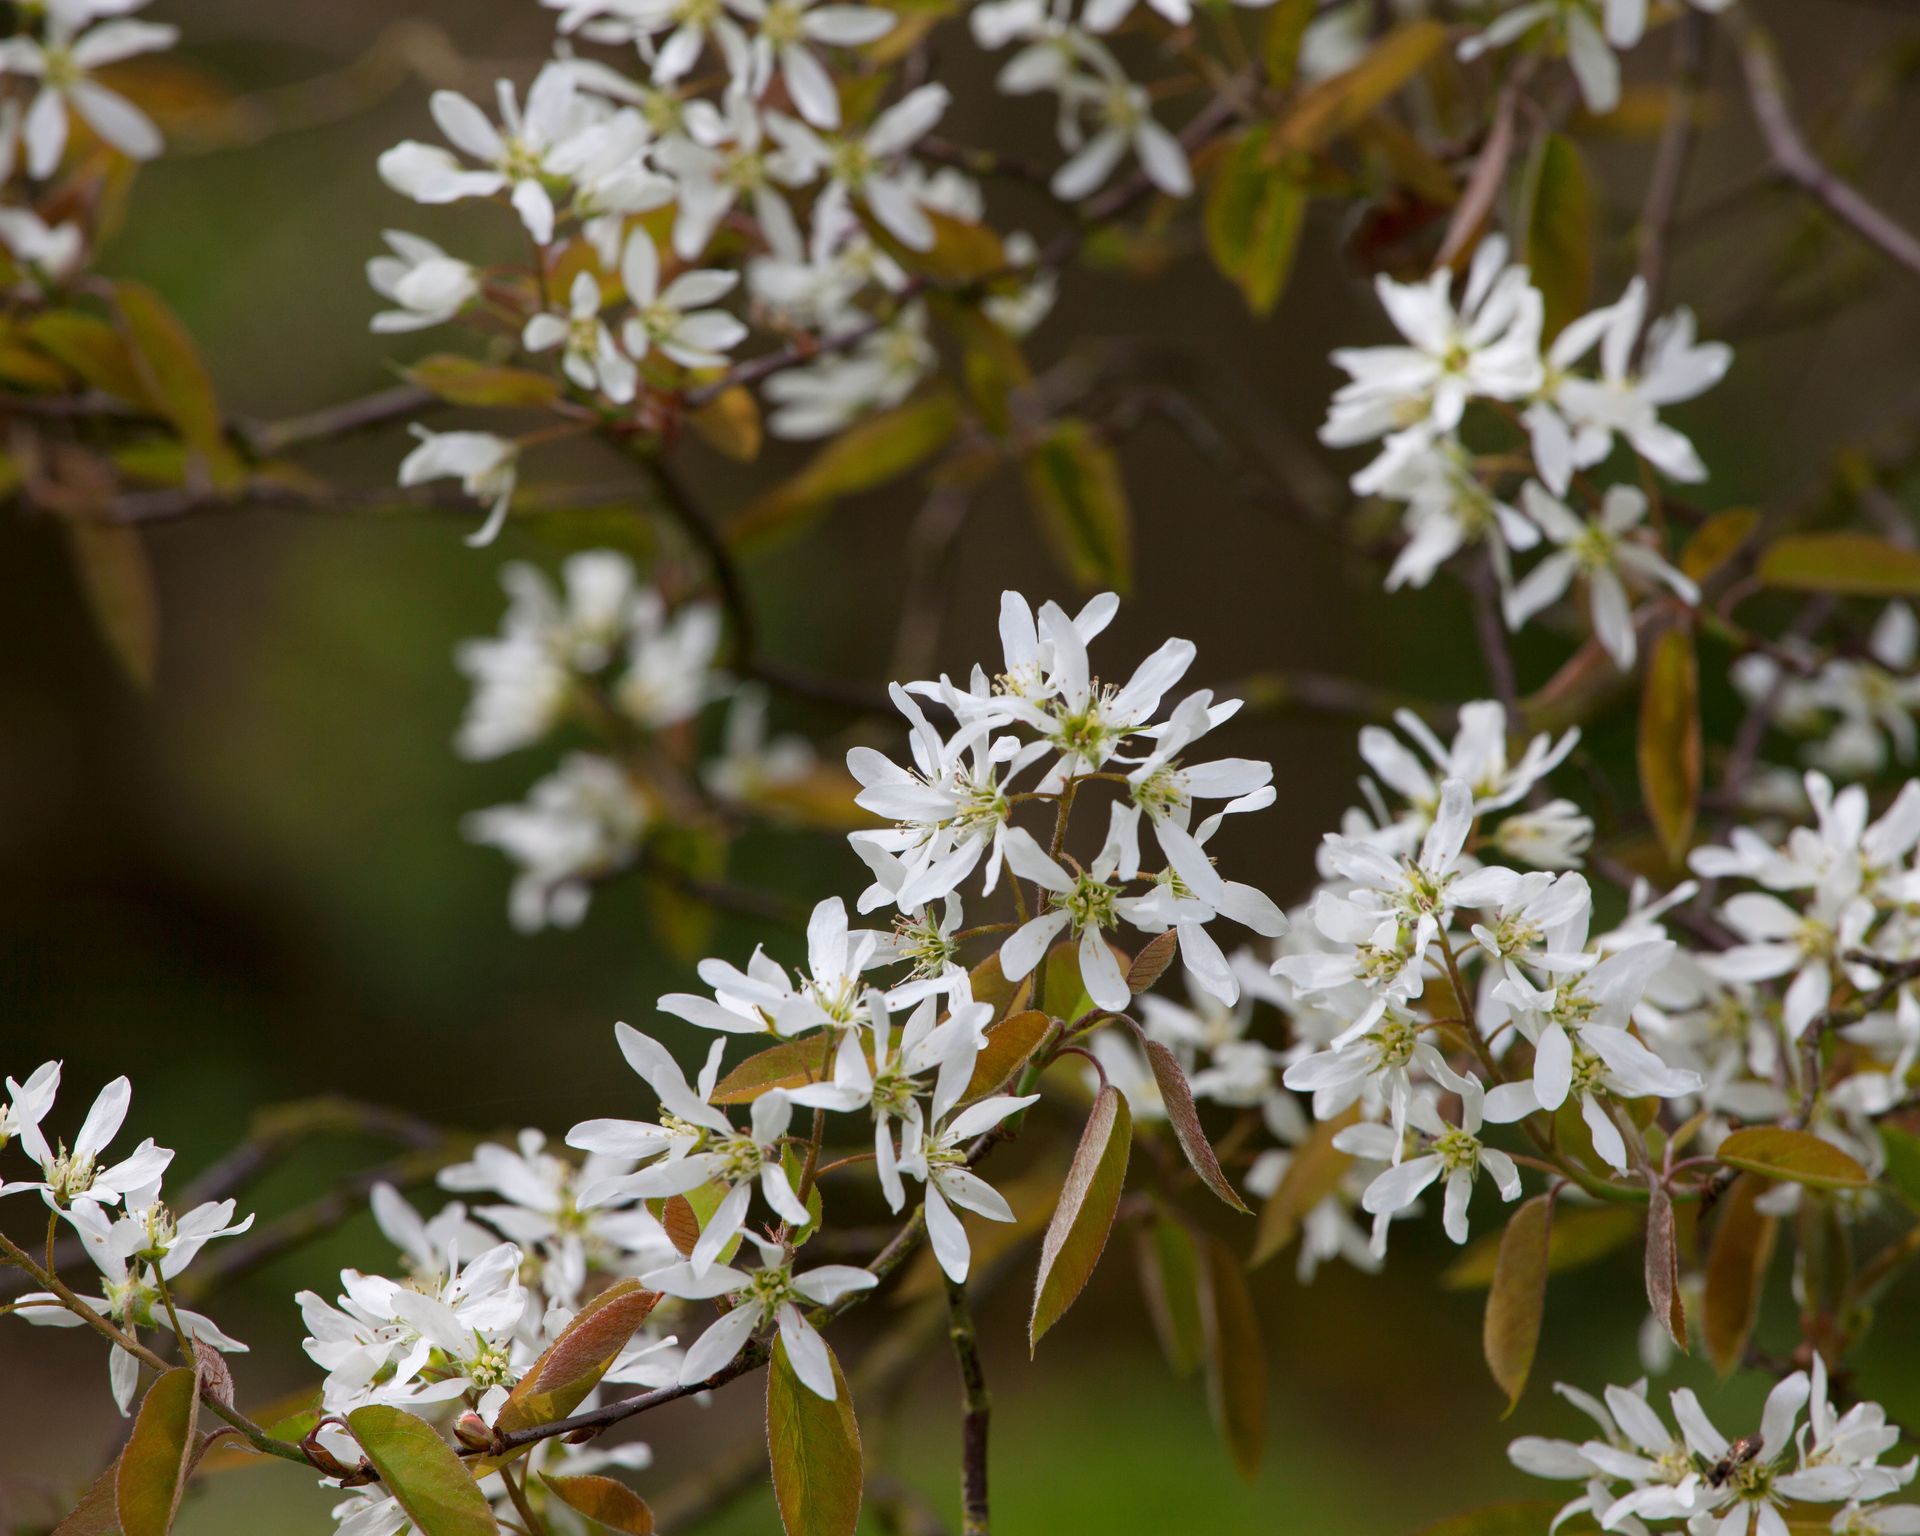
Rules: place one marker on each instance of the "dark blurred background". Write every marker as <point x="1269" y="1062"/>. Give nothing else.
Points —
<point x="249" y="886"/>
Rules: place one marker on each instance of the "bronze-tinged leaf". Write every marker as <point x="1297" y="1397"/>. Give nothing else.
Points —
<point x="1517" y="1301"/>
<point x="1081" y="1221"/>
<point x="962" y="252"/>
<point x="814" y="1446"/>
<point x="682" y="1225"/>
<point x="1177" y="1096"/>
<point x="991" y="986"/>
<point x="573" y="1364"/>
<point x="420" y="1470"/>
<point x="605" y="1502"/>
<point x="1313" y="1172"/>
<point x="791" y="1064"/>
<point x="1743" y="1238"/>
<point x="1236" y="1358"/>
<point x="117" y="580"/>
<point x="1010" y="1045"/>
<point x="1716" y="541"/>
<point x="1846" y="564"/>
<point x="1334" y="105"/>
<point x="467" y="381"/>
<point x="1280" y="48"/>
<point x="177" y="380"/>
<point x="95" y="1514"/>
<point x="92" y="350"/>
<point x="1152" y="962"/>
<point x="1559" y="228"/>
<point x="1797" y="1156"/>
<point x="880" y="448"/>
<point x="1669" y="746"/>
<point x="729" y="424"/>
<point x="153" y="1467"/>
<point x="1581" y="1234"/>
<point x="1075" y="489"/>
<point x="1170" y="1276"/>
<point x="1663" y="1265"/>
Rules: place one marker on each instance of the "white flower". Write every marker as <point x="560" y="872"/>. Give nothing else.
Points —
<point x="874" y="168"/>
<point x="1601" y="550"/>
<point x="1123" y="120"/>
<point x="486" y="466"/>
<point x="70" y="1178"/>
<point x="1452" y="1152"/>
<point x="1575" y="25"/>
<point x="466" y="1331"/>
<point x="772" y="1293"/>
<point x="752" y="766"/>
<point x="28" y="1102"/>
<point x="1087" y="904"/>
<point x="784" y="28"/>
<point x="590" y="358"/>
<point x="1382" y="1060"/>
<point x="55" y="251"/>
<point x="433" y="1249"/>
<point x="429" y="286"/>
<point x="1781" y="941"/>
<point x="1448" y="508"/>
<point x="676" y="321"/>
<point x="1488" y="348"/>
<point x="517" y="155"/>
<point x="688" y="1116"/>
<point x="670" y="675"/>
<point x="722" y="159"/>
<point x="765" y="998"/>
<point x="836" y="391"/>
<point x="63" y="60"/>
<point x="938" y="1158"/>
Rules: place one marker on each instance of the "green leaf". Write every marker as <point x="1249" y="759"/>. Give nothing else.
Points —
<point x="1716" y="541"/>
<point x="962" y="252"/>
<point x="1177" y="1097"/>
<point x="1280" y="49"/>
<point x="791" y="1064"/>
<point x="558" y="1382"/>
<point x="92" y="349"/>
<point x="1081" y="1221"/>
<point x="1335" y="105"/>
<point x="1313" y="1173"/>
<point x="467" y="381"/>
<point x="1517" y="1301"/>
<point x="1743" y="1239"/>
<point x="433" y="1487"/>
<point x="1797" y="1156"/>
<point x="177" y="380"/>
<point x="1848" y="564"/>
<point x="1256" y="207"/>
<point x="1170" y="1275"/>
<point x="605" y="1502"/>
<point x="1559" y="228"/>
<point x="1236" y="1358"/>
<point x="1580" y="1235"/>
<point x="1063" y="994"/>
<point x="1074" y="486"/>
<point x="1010" y="1044"/>
<point x="870" y="453"/>
<point x="1668" y="746"/>
<point x="814" y="1446"/>
<point x="153" y="1468"/>
<point x="117" y="580"/>
<point x="1903" y="1160"/>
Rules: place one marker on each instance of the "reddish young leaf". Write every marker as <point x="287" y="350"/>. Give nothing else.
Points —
<point x="154" y="1465"/>
<point x="814" y="1446"/>
<point x="1081" y="1221"/>
<point x="1236" y="1357"/>
<point x="605" y="1502"/>
<point x="1517" y="1300"/>
<point x="1743" y="1239"/>
<point x="573" y="1364"/>
<point x="1177" y="1096"/>
<point x="1009" y="1045"/>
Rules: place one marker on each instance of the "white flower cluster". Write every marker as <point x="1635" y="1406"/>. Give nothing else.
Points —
<point x="56" y="52"/>
<point x="1591" y="33"/>
<point x="1855" y="709"/>
<point x="1640" y="1474"/>
<point x="137" y="1242"/>
<point x="603" y="650"/>
<point x="1412" y="398"/>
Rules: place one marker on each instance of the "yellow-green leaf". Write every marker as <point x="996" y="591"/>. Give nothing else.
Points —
<point x="1280" y="49"/>
<point x="1255" y="208"/>
<point x="1075" y="488"/>
<point x="1184" y="1117"/>
<point x="605" y="1502"/>
<point x="1581" y="1234"/>
<point x="468" y="381"/>
<point x="962" y="251"/>
<point x="1009" y="1045"/>
<point x="417" y="1466"/>
<point x="1334" y="105"/>
<point x="1084" y="1216"/>
<point x="1743" y="1238"/>
<point x="1669" y="747"/>
<point x="729" y="423"/>
<point x="114" y="575"/>
<point x="1236" y="1357"/>
<point x="1517" y="1301"/>
<point x="92" y="349"/>
<point x="1716" y="540"/>
<point x="1848" y="564"/>
<point x="1313" y="1173"/>
<point x="1559" y="229"/>
<point x="1170" y="1274"/>
<point x="814" y="1446"/>
<point x="870" y="453"/>
<point x="154" y="1466"/>
<point x="573" y="1364"/>
<point x="1797" y="1156"/>
<point x="177" y="380"/>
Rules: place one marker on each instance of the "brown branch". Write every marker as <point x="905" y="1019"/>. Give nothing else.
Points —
<point x="976" y="1407"/>
<point x="1794" y="160"/>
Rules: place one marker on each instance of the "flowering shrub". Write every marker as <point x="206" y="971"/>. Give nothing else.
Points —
<point x="1498" y="1000"/>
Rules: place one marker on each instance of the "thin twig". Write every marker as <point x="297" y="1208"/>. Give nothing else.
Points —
<point x="976" y="1407"/>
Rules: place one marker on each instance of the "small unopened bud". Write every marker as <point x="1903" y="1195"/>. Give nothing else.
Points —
<point x="474" y="1432"/>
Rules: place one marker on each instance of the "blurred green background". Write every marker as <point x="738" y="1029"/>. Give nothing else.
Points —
<point x="249" y="886"/>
